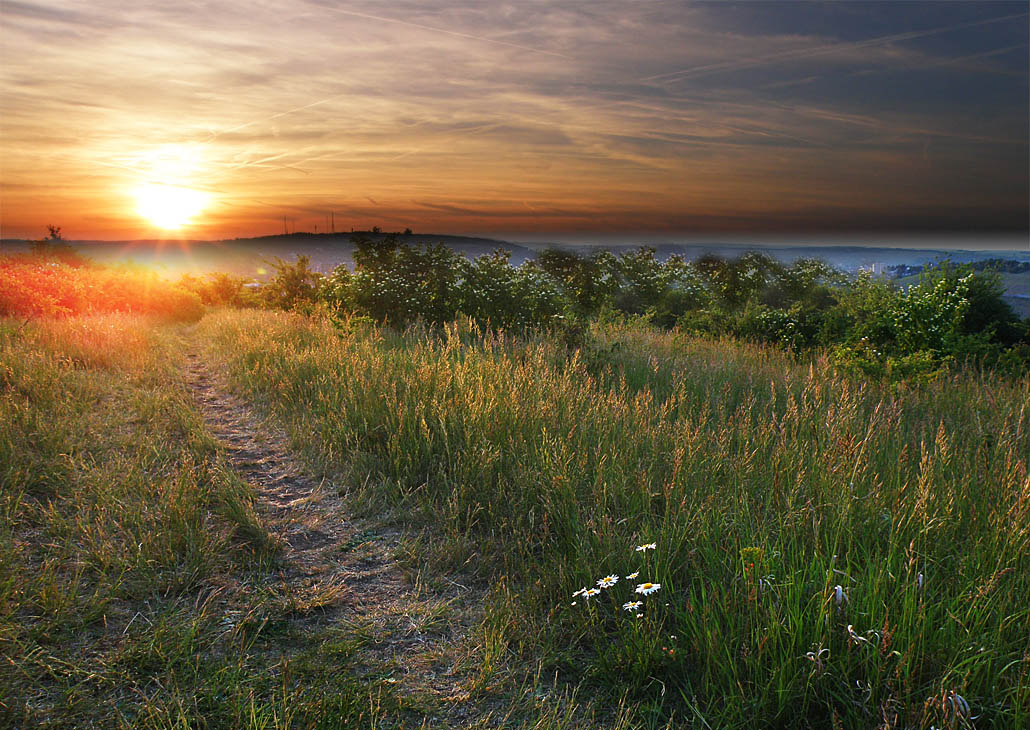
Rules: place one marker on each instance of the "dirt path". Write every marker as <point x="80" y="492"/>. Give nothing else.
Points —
<point x="294" y="507"/>
<point x="338" y="571"/>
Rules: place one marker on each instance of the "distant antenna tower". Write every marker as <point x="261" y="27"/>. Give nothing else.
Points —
<point x="332" y="218"/>
<point x="285" y="230"/>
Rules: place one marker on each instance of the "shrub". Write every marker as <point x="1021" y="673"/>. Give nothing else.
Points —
<point x="495" y="293"/>
<point x="335" y="289"/>
<point x="220" y="289"/>
<point x="397" y="283"/>
<point x="586" y="282"/>
<point x="294" y="285"/>
<point x="34" y="288"/>
<point x="952" y="315"/>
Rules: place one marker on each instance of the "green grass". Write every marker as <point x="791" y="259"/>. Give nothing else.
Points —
<point x="765" y="483"/>
<point x="139" y="586"/>
<point x="136" y="579"/>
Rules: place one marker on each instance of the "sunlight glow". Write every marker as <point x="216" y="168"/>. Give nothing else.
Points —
<point x="166" y="196"/>
<point x="169" y="206"/>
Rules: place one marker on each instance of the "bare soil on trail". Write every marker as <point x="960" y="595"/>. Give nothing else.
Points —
<point x="335" y="571"/>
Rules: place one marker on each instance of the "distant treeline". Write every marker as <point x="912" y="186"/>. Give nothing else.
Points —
<point x="999" y="265"/>
<point x="1003" y="266"/>
<point x="954" y="313"/>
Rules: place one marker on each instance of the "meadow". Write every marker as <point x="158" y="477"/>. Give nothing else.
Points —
<point x="649" y="528"/>
<point x="830" y="552"/>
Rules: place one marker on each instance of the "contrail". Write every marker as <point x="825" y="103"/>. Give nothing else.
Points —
<point x="458" y="34"/>
<point x="975" y="56"/>
<point x="237" y="128"/>
<point x="820" y="50"/>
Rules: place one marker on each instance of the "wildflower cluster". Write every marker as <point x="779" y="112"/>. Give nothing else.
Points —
<point x="609" y="581"/>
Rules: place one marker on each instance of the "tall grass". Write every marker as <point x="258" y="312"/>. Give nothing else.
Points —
<point x="765" y="482"/>
<point x="119" y="524"/>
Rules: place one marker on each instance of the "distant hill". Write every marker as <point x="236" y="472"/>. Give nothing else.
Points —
<point x="249" y="256"/>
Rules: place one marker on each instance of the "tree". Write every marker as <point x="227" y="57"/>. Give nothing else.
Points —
<point x="55" y="248"/>
<point x="293" y="284"/>
<point x="397" y="283"/>
<point x="587" y="282"/>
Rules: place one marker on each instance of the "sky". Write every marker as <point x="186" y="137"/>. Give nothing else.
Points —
<point x="133" y="119"/>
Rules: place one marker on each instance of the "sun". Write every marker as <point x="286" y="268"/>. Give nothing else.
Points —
<point x="165" y="192"/>
<point x="169" y="206"/>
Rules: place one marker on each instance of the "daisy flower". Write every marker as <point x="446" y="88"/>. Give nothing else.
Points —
<point x="645" y="547"/>
<point x="633" y="575"/>
<point x="590" y="593"/>
<point x="632" y="606"/>
<point x="580" y="592"/>
<point x="608" y="581"/>
<point x="646" y="589"/>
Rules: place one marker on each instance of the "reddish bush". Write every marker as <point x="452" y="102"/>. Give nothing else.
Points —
<point x="38" y="288"/>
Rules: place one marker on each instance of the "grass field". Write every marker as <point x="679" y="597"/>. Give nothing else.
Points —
<point x="764" y="483"/>
<point x="1017" y="291"/>
<point x="138" y="585"/>
<point x="830" y="553"/>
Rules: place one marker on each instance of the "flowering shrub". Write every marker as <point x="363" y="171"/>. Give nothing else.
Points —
<point x="398" y="284"/>
<point x="950" y="314"/>
<point x="495" y="292"/>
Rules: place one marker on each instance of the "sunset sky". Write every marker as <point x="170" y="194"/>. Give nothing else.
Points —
<point x="127" y="118"/>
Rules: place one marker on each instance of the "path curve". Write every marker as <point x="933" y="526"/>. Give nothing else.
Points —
<point x="334" y="567"/>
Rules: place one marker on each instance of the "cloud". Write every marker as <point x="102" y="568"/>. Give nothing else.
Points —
<point x="839" y="51"/>
<point x="445" y="31"/>
<point x="589" y="110"/>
